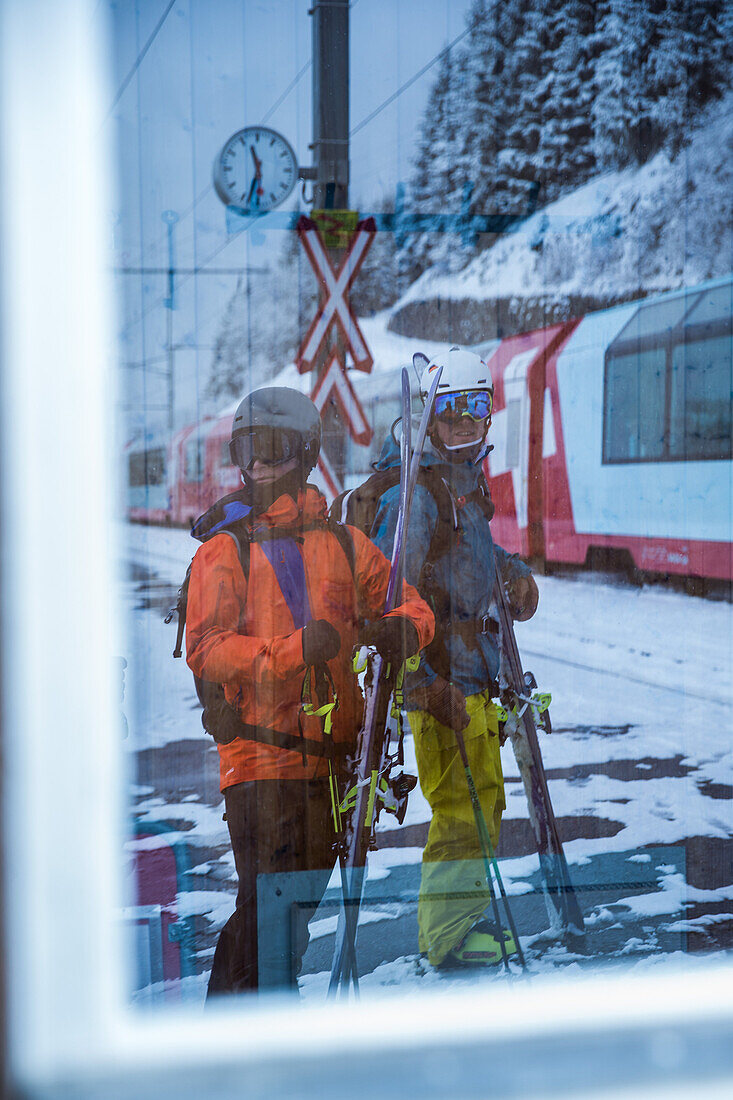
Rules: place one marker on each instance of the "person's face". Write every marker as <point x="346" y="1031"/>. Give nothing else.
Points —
<point x="460" y="433"/>
<point x="262" y="473"/>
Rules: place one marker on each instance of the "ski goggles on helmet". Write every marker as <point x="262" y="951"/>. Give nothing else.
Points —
<point x="477" y="404"/>
<point x="270" y="445"/>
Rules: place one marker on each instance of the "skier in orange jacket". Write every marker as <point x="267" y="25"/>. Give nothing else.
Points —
<point x="277" y="600"/>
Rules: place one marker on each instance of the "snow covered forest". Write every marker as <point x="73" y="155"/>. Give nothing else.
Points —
<point x="612" y="119"/>
<point x="542" y="96"/>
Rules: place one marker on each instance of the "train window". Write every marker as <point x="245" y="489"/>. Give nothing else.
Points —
<point x="136" y="471"/>
<point x="634" y="407"/>
<point x="654" y="320"/>
<point x="713" y="306"/>
<point x="194" y="460"/>
<point x="147" y="468"/>
<point x="513" y="420"/>
<point x="701" y="424"/>
<point x="380" y="399"/>
<point x="668" y="390"/>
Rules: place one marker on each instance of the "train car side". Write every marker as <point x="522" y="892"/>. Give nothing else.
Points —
<point x="611" y="437"/>
<point x="641" y="468"/>
<point x="518" y="439"/>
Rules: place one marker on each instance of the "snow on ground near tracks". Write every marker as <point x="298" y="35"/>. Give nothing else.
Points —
<point x="642" y="685"/>
<point x="635" y="673"/>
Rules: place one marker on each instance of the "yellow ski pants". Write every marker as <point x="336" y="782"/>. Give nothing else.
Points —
<point x="453" y="891"/>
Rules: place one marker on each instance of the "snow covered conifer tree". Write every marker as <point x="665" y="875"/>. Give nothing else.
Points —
<point x="686" y="66"/>
<point x="434" y="186"/>
<point x="490" y="90"/>
<point x="262" y="324"/>
<point x="518" y="165"/>
<point x="565" y="155"/>
<point x="616" y="107"/>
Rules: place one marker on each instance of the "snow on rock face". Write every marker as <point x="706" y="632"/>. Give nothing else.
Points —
<point x="622" y="236"/>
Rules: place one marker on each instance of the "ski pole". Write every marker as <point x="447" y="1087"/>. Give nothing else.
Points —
<point x="489" y="859"/>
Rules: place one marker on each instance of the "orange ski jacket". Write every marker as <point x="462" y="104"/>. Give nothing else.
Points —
<point x="240" y="633"/>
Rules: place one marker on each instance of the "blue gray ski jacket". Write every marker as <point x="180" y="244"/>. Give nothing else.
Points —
<point x="466" y="574"/>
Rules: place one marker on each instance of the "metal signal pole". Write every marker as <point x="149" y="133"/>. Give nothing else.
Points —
<point x="170" y="217"/>
<point x="330" y="45"/>
<point x="331" y="104"/>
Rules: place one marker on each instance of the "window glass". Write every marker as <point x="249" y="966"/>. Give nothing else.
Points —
<point x="702" y="395"/>
<point x="436" y="754"/>
<point x="634" y="407"/>
<point x="655" y="319"/>
<point x="568" y="815"/>
<point x="194" y="470"/>
<point x="714" y="305"/>
<point x="147" y="468"/>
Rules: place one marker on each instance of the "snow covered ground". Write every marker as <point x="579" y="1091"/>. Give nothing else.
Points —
<point x="640" y="765"/>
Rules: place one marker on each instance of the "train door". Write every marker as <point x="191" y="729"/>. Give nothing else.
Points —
<point x="514" y="466"/>
<point x="191" y="472"/>
<point x="221" y="476"/>
<point x="176" y="472"/>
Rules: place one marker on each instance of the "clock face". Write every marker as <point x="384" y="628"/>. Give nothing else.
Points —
<point x="256" y="170"/>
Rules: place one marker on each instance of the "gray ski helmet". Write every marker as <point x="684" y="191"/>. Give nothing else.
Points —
<point x="279" y="407"/>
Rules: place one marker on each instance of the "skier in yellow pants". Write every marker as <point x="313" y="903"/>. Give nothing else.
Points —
<point x="452" y="560"/>
<point x="453" y="893"/>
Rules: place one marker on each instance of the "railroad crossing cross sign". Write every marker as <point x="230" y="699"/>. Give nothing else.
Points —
<point x="335" y="285"/>
<point x="334" y="383"/>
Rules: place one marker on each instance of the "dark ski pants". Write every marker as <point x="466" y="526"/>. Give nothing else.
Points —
<point x="277" y="826"/>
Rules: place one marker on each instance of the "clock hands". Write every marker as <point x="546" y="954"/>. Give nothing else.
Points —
<point x="256" y="170"/>
<point x="255" y="190"/>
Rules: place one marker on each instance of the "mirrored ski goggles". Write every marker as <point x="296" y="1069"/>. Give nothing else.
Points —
<point x="270" y="445"/>
<point x="474" y="403"/>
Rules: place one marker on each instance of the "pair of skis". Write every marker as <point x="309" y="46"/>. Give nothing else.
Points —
<point x="523" y="710"/>
<point x="372" y="761"/>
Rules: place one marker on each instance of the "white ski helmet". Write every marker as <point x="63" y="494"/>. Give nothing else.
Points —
<point x="462" y="370"/>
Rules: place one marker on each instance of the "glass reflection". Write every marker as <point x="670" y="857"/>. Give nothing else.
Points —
<point x="264" y="824"/>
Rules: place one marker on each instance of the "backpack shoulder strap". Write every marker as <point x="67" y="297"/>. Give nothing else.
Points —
<point x="358" y="506"/>
<point x="448" y="521"/>
<point x="181" y="608"/>
<point x="242" y="543"/>
<point x="342" y="533"/>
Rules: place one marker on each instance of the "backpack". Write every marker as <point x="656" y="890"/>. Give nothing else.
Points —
<point x="218" y="718"/>
<point x="359" y="507"/>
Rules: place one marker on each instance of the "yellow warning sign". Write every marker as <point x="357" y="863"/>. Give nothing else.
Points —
<point x="336" y="226"/>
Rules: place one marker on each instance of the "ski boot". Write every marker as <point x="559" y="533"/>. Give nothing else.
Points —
<point x="480" y="947"/>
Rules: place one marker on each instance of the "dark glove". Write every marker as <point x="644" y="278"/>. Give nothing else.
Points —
<point x="445" y="702"/>
<point x="394" y="637"/>
<point x="321" y="642"/>
<point x="523" y="596"/>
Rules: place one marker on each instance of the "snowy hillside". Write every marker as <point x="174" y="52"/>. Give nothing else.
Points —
<point x="619" y="237"/>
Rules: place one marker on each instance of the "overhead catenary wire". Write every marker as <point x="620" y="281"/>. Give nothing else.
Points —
<point x="139" y="59"/>
<point x="267" y="115"/>
<point x="408" y="83"/>
<point x="281" y="99"/>
<point x="209" y="187"/>
<point x="278" y="102"/>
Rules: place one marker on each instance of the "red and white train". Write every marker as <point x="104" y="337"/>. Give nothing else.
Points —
<point x="613" y="437"/>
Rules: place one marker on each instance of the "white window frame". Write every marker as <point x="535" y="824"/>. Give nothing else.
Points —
<point x="70" y="1027"/>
